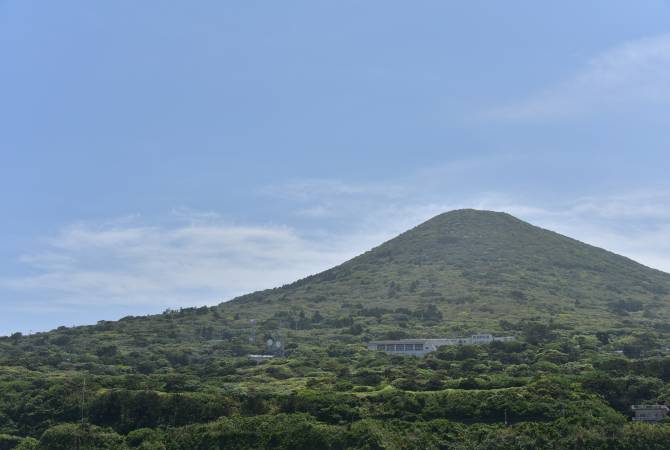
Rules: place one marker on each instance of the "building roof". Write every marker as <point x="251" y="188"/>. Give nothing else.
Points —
<point x="649" y="407"/>
<point x="437" y="341"/>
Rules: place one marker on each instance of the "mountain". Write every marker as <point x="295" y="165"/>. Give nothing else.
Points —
<point x="480" y="267"/>
<point x="591" y="329"/>
<point x="460" y="272"/>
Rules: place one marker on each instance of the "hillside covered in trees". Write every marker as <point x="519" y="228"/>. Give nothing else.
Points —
<point x="591" y="329"/>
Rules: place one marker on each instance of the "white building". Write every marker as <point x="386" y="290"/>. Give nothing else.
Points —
<point x="419" y="347"/>
<point x="649" y="413"/>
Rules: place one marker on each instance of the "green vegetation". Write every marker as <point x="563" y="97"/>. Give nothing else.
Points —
<point x="592" y="339"/>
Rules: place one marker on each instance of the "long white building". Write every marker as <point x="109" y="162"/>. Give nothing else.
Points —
<point x="419" y="347"/>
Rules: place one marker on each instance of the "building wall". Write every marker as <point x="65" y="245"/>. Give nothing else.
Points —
<point x="418" y="347"/>
<point x="650" y="415"/>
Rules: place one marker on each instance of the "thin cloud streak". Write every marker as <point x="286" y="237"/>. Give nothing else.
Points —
<point x="631" y="75"/>
<point x="173" y="266"/>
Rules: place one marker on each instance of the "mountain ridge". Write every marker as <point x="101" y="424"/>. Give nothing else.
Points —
<point x="474" y="266"/>
<point x="482" y="257"/>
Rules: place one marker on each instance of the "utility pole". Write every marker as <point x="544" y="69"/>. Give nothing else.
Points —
<point x="283" y="343"/>
<point x="280" y="339"/>
<point x="505" y="416"/>
<point x="252" y="338"/>
<point x="79" y="436"/>
<point x="83" y="400"/>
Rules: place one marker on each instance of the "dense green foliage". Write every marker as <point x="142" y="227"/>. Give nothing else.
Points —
<point x="591" y="329"/>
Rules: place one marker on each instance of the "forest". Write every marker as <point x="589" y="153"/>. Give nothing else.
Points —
<point x="553" y="387"/>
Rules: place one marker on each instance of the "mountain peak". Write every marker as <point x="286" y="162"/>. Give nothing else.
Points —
<point x="466" y="227"/>
<point x="487" y="265"/>
<point x="462" y="220"/>
<point x="470" y="212"/>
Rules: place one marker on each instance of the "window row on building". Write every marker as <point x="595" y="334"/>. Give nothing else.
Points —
<point x="400" y="347"/>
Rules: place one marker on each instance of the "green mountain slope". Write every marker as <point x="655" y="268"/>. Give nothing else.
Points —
<point x="592" y="338"/>
<point x="482" y="266"/>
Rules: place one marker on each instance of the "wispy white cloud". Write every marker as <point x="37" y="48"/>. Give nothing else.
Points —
<point x="318" y="188"/>
<point x="424" y="192"/>
<point x="184" y="264"/>
<point x="620" y="79"/>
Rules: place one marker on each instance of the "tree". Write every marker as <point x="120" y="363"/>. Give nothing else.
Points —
<point x="106" y="351"/>
<point x="16" y="337"/>
<point x="317" y="317"/>
<point x="536" y="332"/>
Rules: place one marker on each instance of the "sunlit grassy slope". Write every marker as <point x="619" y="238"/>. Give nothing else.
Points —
<point x="479" y="267"/>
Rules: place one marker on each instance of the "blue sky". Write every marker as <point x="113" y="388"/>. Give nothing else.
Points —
<point x="159" y="154"/>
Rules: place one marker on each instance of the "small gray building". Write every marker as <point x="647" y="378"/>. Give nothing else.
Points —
<point x="649" y="413"/>
<point x="419" y="347"/>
